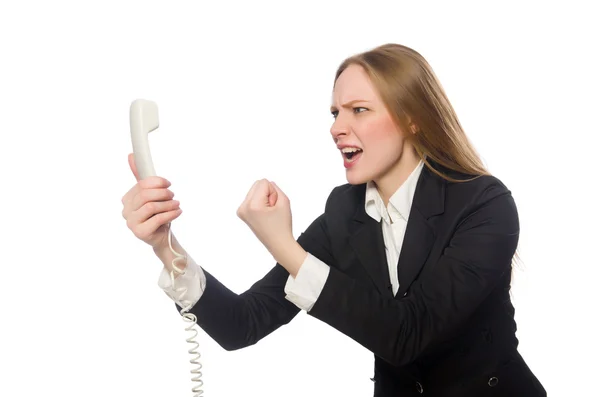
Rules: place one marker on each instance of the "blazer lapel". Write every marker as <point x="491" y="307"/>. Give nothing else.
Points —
<point x="428" y="201"/>
<point x="366" y="235"/>
<point x="366" y="239"/>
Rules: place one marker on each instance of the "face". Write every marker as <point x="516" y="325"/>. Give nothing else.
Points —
<point x="371" y="144"/>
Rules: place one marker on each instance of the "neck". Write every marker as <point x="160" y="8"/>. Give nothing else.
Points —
<point x="391" y="181"/>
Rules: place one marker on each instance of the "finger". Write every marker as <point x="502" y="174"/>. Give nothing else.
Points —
<point x="150" y="226"/>
<point x="164" y="218"/>
<point x="282" y="198"/>
<point x="256" y="197"/>
<point x="260" y="197"/>
<point x="257" y="192"/>
<point x="153" y="182"/>
<point x="147" y="195"/>
<point x="152" y="208"/>
<point x="253" y="188"/>
<point x="272" y="195"/>
<point x="132" y="166"/>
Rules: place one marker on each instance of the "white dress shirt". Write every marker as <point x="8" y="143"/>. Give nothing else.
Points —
<point x="304" y="290"/>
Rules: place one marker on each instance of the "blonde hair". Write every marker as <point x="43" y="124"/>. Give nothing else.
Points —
<point x="415" y="99"/>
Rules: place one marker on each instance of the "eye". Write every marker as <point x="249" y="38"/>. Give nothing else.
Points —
<point x="356" y="110"/>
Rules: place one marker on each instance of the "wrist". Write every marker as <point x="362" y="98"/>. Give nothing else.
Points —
<point x="161" y="249"/>
<point x="167" y="257"/>
<point x="291" y="256"/>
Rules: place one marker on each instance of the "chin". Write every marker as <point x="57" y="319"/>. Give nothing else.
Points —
<point x="355" y="178"/>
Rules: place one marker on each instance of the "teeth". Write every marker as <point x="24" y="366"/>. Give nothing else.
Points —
<point x="350" y="149"/>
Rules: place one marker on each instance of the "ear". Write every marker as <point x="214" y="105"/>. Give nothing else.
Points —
<point x="412" y="126"/>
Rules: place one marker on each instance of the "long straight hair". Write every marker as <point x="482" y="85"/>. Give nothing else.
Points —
<point x="415" y="99"/>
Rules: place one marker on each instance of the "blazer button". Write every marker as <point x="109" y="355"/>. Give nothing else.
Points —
<point x="406" y="293"/>
<point x="419" y="388"/>
<point x="493" y="381"/>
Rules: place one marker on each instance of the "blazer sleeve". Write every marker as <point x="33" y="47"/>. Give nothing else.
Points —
<point x="473" y="263"/>
<point x="236" y="321"/>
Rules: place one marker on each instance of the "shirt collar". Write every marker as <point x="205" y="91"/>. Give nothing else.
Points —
<point x="400" y="202"/>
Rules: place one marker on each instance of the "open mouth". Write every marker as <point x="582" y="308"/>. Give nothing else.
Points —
<point x="351" y="153"/>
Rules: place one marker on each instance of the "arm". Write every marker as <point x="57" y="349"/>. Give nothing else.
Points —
<point x="236" y="321"/>
<point x="475" y="260"/>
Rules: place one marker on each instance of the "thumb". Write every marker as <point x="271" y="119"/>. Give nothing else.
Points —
<point x="132" y="166"/>
<point x="282" y="198"/>
<point x="258" y="196"/>
<point x="273" y="195"/>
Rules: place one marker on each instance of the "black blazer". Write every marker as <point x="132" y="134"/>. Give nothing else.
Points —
<point x="450" y="329"/>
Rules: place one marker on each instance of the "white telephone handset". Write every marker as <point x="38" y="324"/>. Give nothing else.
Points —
<point x="143" y="119"/>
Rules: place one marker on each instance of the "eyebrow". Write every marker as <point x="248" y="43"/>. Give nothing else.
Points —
<point x="348" y="104"/>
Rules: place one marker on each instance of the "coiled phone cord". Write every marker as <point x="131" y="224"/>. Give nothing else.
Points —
<point x="189" y="318"/>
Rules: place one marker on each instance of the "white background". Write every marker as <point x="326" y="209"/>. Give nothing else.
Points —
<point x="243" y="91"/>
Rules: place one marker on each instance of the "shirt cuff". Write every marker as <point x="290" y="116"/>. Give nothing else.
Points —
<point x="304" y="290"/>
<point x="188" y="287"/>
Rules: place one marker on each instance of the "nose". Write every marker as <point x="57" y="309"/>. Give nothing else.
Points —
<point x="339" y="129"/>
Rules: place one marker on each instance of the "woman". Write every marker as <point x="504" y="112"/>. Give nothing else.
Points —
<point x="411" y="259"/>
